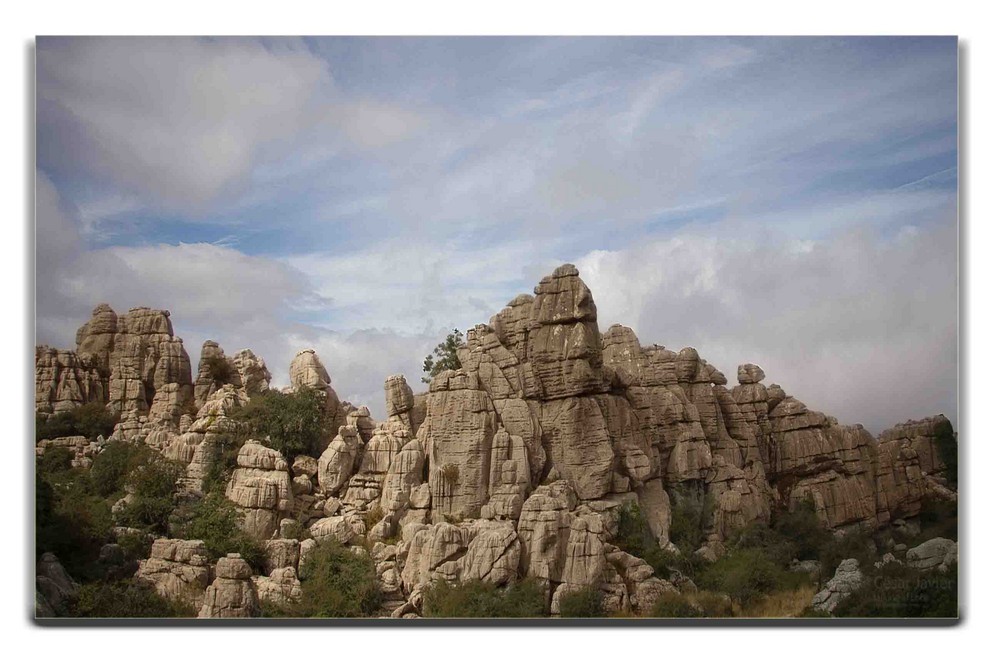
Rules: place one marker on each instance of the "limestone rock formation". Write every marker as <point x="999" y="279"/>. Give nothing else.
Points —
<point x="64" y="381"/>
<point x="337" y="463"/>
<point x="232" y="594"/>
<point x="245" y="370"/>
<point x="280" y="586"/>
<point x="261" y="486"/>
<point x="178" y="570"/>
<point x="519" y="464"/>
<point x="936" y="553"/>
<point x="307" y="371"/>
<point x="847" y="579"/>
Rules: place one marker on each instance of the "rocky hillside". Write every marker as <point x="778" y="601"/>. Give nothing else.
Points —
<point x="518" y="465"/>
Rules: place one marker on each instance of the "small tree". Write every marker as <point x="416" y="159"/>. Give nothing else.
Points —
<point x="336" y="583"/>
<point x="586" y="602"/>
<point x="220" y="369"/>
<point x="216" y="521"/>
<point x="292" y="423"/>
<point x="445" y="356"/>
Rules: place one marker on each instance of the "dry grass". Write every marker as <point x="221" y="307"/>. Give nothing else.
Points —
<point x="782" y="604"/>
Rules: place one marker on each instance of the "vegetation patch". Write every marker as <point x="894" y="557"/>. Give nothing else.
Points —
<point x="582" y="603"/>
<point x="444" y="357"/>
<point x="525" y="598"/>
<point x="91" y="420"/>
<point x="898" y="591"/>
<point x="216" y="521"/>
<point x="129" y="598"/>
<point x="292" y="423"/>
<point x="336" y="583"/>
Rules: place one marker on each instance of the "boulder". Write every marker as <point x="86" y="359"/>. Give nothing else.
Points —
<point x="847" y="579"/>
<point x="936" y="553"/>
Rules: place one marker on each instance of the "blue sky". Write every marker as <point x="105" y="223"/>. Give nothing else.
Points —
<point x="786" y="201"/>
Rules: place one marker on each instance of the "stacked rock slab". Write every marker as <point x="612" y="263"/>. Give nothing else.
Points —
<point x="232" y="594"/>
<point x="307" y="371"/>
<point x="178" y="570"/>
<point x="816" y="459"/>
<point x="144" y="356"/>
<point x="261" y="487"/>
<point x="245" y="370"/>
<point x="199" y="446"/>
<point x="64" y="381"/>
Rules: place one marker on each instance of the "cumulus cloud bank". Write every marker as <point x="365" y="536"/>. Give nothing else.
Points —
<point x="790" y="202"/>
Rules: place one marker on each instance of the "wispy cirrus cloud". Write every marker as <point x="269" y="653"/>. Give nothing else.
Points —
<point x="368" y="194"/>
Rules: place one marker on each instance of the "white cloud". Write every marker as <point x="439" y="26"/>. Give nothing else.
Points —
<point x="857" y="327"/>
<point x="216" y="293"/>
<point x="184" y="122"/>
<point x="175" y="119"/>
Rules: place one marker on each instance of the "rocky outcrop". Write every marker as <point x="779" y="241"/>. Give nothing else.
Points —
<point x="245" y="371"/>
<point x="64" y="381"/>
<point x="280" y="586"/>
<point x="520" y="463"/>
<point x="934" y="554"/>
<point x="337" y="463"/>
<point x="178" y="570"/>
<point x="54" y="588"/>
<point x="232" y="594"/>
<point x="261" y="487"/>
<point x="458" y="435"/>
<point x="847" y="579"/>
<point x="253" y="374"/>
<point x="815" y="458"/>
<point x="307" y="371"/>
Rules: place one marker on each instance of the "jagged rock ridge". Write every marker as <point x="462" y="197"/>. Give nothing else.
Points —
<point x="515" y="465"/>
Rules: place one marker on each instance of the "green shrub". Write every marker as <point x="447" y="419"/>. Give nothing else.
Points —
<point x="899" y="591"/>
<point x="152" y="486"/>
<point x="115" y="463"/>
<point x="336" y="583"/>
<point x="94" y="419"/>
<point x="373" y="517"/>
<point x="71" y="521"/>
<point x="748" y="574"/>
<point x="135" y="546"/>
<point x="635" y="537"/>
<point x="292" y="423"/>
<point x="802" y="530"/>
<point x="582" y="603"/>
<point x="216" y="520"/>
<point x="54" y="426"/>
<point x="55" y="459"/>
<point x="450" y="474"/>
<point x="938" y="519"/>
<point x="853" y="545"/>
<point x="796" y="534"/>
<point x="674" y="605"/>
<point x="91" y="420"/>
<point x="480" y="599"/>
<point x="220" y="369"/>
<point x="688" y="517"/>
<point x="125" y="599"/>
<point x="713" y="605"/>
